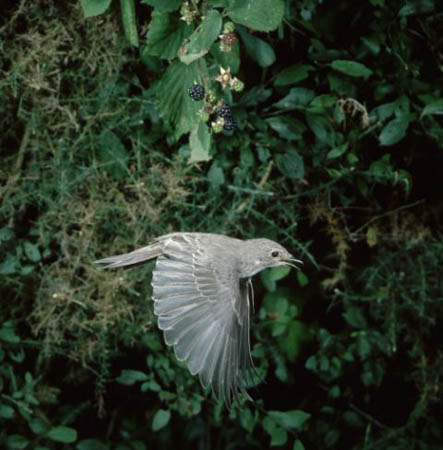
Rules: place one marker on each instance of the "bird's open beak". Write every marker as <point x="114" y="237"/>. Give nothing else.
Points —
<point x="292" y="262"/>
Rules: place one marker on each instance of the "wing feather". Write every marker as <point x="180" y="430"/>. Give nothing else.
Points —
<point x="204" y="313"/>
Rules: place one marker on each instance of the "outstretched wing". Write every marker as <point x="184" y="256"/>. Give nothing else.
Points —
<point x="203" y="311"/>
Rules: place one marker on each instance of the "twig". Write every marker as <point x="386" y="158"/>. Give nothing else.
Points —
<point x="388" y="213"/>
<point x="14" y="178"/>
<point x="362" y="413"/>
<point x="250" y="191"/>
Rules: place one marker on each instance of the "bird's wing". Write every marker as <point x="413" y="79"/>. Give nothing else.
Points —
<point x="203" y="311"/>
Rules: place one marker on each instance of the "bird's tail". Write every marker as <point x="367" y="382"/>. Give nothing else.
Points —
<point x="137" y="256"/>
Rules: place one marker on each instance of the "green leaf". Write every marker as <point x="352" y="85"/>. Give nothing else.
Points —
<point x="287" y="127"/>
<point x="277" y="302"/>
<point x="257" y="49"/>
<point x="62" y="434"/>
<point x="93" y="8"/>
<point x="216" y="175"/>
<point x="331" y="438"/>
<point x="384" y="111"/>
<point x="175" y="105"/>
<point x="127" y="9"/>
<point x="351" y="68"/>
<point x="414" y="7"/>
<point x="278" y="435"/>
<point x="311" y="363"/>
<point x="6" y="412"/>
<point x="247" y="420"/>
<point x="260" y="15"/>
<point x="302" y="279"/>
<point x="162" y="5"/>
<point x="337" y="151"/>
<point x="394" y="131"/>
<point x="268" y="283"/>
<point x="322" y="128"/>
<point x="9" y="265"/>
<point x="199" y="143"/>
<point x="322" y="103"/>
<point x="297" y="98"/>
<point x="255" y="95"/>
<point x="7" y="334"/>
<point x="296" y="336"/>
<point x="202" y="38"/>
<point x="353" y="419"/>
<point x="352" y="158"/>
<point x="151" y="386"/>
<point x="355" y="317"/>
<point x="292" y="420"/>
<point x="129" y="377"/>
<point x="113" y="155"/>
<point x="341" y="85"/>
<point x="153" y="342"/>
<point x="279" y="272"/>
<point x="32" y="252"/>
<point x="228" y="59"/>
<point x="6" y="234"/>
<point x="25" y="270"/>
<point x="290" y="163"/>
<point x="38" y="425"/>
<point x="435" y="107"/>
<point x="382" y="167"/>
<point x="16" y="442"/>
<point x="92" y="444"/>
<point x="293" y="74"/>
<point x="298" y="445"/>
<point x="165" y="35"/>
<point x="161" y="419"/>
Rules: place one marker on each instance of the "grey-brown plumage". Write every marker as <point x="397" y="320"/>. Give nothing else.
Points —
<point x="202" y="300"/>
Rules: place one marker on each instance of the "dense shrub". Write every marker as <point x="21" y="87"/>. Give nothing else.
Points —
<point x="337" y="155"/>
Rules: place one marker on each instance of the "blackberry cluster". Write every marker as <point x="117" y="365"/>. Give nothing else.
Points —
<point x="230" y="124"/>
<point x="224" y="111"/>
<point x="197" y="92"/>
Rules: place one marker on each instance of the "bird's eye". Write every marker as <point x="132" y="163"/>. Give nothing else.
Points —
<point x="275" y="254"/>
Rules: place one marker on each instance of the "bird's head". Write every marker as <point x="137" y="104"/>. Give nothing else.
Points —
<point x="260" y="254"/>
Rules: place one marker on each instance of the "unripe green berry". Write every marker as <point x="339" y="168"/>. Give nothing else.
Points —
<point x="228" y="27"/>
<point x="237" y="85"/>
<point x="203" y="116"/>
<point x="211" y="98"/>
<point x="217" y="127"/>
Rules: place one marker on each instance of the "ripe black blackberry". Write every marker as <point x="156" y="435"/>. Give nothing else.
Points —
<point x="224" y="111"/>
<point x="230" y="124"/>
<point x="197" y="92"/>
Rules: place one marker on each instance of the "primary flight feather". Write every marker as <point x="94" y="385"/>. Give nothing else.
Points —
<point x="202" y="300"/>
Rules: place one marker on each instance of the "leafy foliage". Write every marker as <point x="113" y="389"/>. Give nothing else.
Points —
<point x="337" y="156"/>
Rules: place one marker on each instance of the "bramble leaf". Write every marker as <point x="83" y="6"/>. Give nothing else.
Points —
<point x="162" y="5"/>
<point x="175" y="105"/>
<point x="351" y="68"/>
<point x="65" y="435"/>
<point x="293" y="74"/>
<point x="260" y="15"/>
<point x="200" y="143"/>
<point x="394" y="131"/>
<point x="257" y="49"/>
<point x="165" y="35"/>
<point x="161" y="419"/>
<point x="93" y="8"/>
<point x="202" y="38"/>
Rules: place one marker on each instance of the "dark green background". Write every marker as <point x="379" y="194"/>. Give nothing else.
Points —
<point x="338" y="157"/>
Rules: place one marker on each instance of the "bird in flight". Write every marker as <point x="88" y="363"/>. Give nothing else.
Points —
<point x="202" y="295"/>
